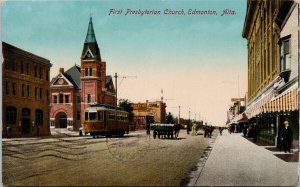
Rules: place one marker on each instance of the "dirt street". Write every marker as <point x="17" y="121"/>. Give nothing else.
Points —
<point x="136" y="159"/>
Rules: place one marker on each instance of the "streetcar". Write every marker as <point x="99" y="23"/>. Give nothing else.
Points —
<point x="100" y="120"/>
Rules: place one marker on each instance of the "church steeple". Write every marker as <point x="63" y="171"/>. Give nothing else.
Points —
<point x="90" y="47"/>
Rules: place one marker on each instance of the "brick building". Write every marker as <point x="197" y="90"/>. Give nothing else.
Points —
<point x="25" y="89"/>
<point x="80" y="86"/>
<point x="149" y="110"/>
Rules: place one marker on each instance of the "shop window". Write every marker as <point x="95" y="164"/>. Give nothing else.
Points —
<point x="38" y="117"/>
<point x="11" y="115"/>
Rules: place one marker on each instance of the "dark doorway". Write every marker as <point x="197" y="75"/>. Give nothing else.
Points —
<point x="25" y="121"/>
<point x="25" y="126"/>
<point x="63" y="121"/>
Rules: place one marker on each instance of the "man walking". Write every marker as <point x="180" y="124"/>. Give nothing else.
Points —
<point x="286" y="137"/>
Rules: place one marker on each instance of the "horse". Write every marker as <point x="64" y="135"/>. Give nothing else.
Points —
<point x="177" y="128"/>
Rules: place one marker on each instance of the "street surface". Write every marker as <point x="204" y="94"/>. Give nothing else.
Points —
<point x="235" y="161"/>
<point x="136" y="159"/>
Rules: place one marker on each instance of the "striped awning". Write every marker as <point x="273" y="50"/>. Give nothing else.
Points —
<point x="258" y="106"/>
<point x="286" y="101"/>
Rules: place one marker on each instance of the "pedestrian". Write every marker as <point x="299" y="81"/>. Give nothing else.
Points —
<point x="221" y="130"/>
<point x="8" y="131"/>
<point x="255" y="133"/>
<point x="188" y="129"/>
<point x="245" y="130"/>
<point x="286" y="136"/>
<point x="148" y="128"/>
<point x="194" y="132"/>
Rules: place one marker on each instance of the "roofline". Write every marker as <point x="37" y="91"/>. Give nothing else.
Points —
<point x="38" y="58"/>
<point x="250" y="9"/>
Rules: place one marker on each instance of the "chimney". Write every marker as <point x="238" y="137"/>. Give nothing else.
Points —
<point x="61" y="70"/>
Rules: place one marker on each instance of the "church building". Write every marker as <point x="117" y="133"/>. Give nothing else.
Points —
<point x="80" y="86"/>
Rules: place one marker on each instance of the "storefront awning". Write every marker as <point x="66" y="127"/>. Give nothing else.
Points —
<point x="258" y="106"/>
<point x="286" y="101"/>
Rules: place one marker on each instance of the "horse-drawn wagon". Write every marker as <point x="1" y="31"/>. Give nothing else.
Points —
<point x="165" y="130"/>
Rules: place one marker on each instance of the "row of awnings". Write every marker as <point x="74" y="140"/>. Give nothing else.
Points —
<point x="286" y="101"/>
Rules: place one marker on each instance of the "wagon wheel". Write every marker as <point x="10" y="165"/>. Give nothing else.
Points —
<point x="154" y="134"/>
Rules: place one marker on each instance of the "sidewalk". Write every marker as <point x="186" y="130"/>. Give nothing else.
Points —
<point x="235" y="161"/>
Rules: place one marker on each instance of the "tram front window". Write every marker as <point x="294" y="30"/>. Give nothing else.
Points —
<point x="92" y="115"/>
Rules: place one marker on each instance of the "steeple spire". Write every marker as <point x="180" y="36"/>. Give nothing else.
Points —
<point x="90" y="36"/>
<point x="90" y="48"/>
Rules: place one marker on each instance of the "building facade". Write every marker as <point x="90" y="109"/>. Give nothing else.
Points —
<point x="143" y="112"/>
<point x="25" y="89"/>
<point x="81" y="86"/>
<point x="271" y="30"/>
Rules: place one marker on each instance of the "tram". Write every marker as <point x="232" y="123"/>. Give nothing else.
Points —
<point x="101" y="120"/>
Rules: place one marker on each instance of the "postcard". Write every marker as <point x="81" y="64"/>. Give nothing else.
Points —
<point x="150" y="93"/>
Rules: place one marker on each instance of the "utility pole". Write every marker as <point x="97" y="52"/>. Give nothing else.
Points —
<point x="116" y="102"/>
<point x="189" y="116"/>
<point x="116" y="83"/>
<point x="179" y="115"/>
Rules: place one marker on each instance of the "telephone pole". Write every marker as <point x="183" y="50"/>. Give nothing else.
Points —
<point x="116" y="83"/>
<point x="179" y="115"/>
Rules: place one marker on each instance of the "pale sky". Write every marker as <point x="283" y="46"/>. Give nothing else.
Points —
<point x="195" y="59"/>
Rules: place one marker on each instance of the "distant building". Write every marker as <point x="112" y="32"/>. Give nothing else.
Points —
<point x="235" y="115"/>
<point x="149" y="110"/>
<point x="80" y="86"/>
<point x="271" y="29"/>
<point x="25" y="89"/>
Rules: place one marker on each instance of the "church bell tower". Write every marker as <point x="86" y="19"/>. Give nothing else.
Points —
<point x="93" y="70"/>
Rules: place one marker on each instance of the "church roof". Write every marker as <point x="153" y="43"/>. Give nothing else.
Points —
<point x="90" y="43"/>
<point x="73" y="75"/>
